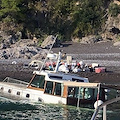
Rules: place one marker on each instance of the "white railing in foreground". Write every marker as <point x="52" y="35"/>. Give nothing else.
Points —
<point x="11" y="80"/>
<point x="104" y="106"/>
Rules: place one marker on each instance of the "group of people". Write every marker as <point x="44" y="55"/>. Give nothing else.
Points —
<point x="73" y="67"/>
<point x="77" y="67"/>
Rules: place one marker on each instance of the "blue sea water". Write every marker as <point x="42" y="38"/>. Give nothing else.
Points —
<point x="22" y="110"/>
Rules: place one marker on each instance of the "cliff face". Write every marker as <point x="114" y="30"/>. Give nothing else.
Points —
<point x="111" y="30"/>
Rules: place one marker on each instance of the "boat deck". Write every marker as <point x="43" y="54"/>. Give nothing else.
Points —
<point x="14" y="82"/>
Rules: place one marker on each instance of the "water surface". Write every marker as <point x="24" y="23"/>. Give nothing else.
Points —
<point x="22" y="110"/>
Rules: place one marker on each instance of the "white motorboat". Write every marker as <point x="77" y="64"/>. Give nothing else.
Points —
<point x="52" y="87"/>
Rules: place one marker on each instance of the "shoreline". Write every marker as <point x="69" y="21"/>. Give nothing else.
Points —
<point x="103" y="53"/>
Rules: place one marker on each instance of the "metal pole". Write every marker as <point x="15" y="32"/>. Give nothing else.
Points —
<point x="31" y="80"/>
<point x="58" y="62"/>
<point x="48" y="53"/>
<point x="104" y="112"/>
<point x="98" y="94"/>
<point x="95" y="113"/>
<point x="78" y="97"/>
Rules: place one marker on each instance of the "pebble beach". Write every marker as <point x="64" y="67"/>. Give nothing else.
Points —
<point x="103" y="53"/>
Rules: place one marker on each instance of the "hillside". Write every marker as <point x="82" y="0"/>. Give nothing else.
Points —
<point x="76" y="20"/>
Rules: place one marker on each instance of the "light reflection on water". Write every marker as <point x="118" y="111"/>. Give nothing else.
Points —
<point x="14" y="110"/>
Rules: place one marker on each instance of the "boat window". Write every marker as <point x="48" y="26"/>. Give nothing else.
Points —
<point x="39" y="100"/>
<point x="88" y="93"/>
<point x="55" y="77"/>
<point x="78" y="80"/>
<point x="102" y="96"/>
<point x="71" y="91"/>
<point x="95" y="93"/>
<point x="9" y="91"/>
<point x="27" y="95"/>
<point x="58" y="89"/>
<point x="38" y="81"/>
<point x="49" y="87"/>
<point x="85" y="93"/>
<point x="2" y="88"/>
<point x="18" y="93"/>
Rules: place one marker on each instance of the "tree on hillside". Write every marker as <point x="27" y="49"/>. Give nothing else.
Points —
<point x="114" y="9"/>
<point x="11" y="14"/>
<point x="10" y="8"/>
<point x="53" y="16"/>
<point x="87" y="17"/>
<point x="60" y="18"/>
<point x="18" y="13"/>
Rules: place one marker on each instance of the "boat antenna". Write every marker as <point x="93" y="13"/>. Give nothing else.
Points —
<point x="58" y="62"/>
<point x="49" y="52"/>
<point x="44" y="60"/>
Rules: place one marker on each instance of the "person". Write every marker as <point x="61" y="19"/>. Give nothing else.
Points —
<point x="64" y="56"/>
<point x="81" y="64"/>
<point x="50" y="67"/>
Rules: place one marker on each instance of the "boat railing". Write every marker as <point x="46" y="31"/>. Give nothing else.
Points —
<point x="104" y="106"/>
<point x="12" y="80"/>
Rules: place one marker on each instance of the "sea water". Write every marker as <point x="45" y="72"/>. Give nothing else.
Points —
<point x="22" y="110"/>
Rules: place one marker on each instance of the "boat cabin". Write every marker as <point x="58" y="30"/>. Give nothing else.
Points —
<point x="73" y="91"/>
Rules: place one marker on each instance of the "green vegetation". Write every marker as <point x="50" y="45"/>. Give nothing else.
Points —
<point x="114" y="9"/>
<point x="68" y="18"/>
<point x="118" y="38"/>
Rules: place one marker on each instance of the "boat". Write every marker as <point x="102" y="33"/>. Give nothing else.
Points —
<point x="52" y="86"/>
<point x="53" y="91"/>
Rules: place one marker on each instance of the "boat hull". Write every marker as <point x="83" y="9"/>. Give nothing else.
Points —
<point x="32" y="95"/>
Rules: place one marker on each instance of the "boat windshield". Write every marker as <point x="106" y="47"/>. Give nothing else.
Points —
<point x="38" y="81"/>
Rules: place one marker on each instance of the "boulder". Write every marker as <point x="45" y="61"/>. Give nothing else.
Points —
<point x="117" y="43"/>
<point x="76" y="39"/>
<point x="36" y="57"/>
<point x="18" y="35"/>
<point x="13" y="47"/>
<point x="91" y="39"/>
<point x="10" y="39"/>
<point x="22" y="52"/>
<point x="88" y="39"/>
<point x="4" y="52"/>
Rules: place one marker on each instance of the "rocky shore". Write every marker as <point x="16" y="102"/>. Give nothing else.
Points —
<point x="104" y="53"/>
